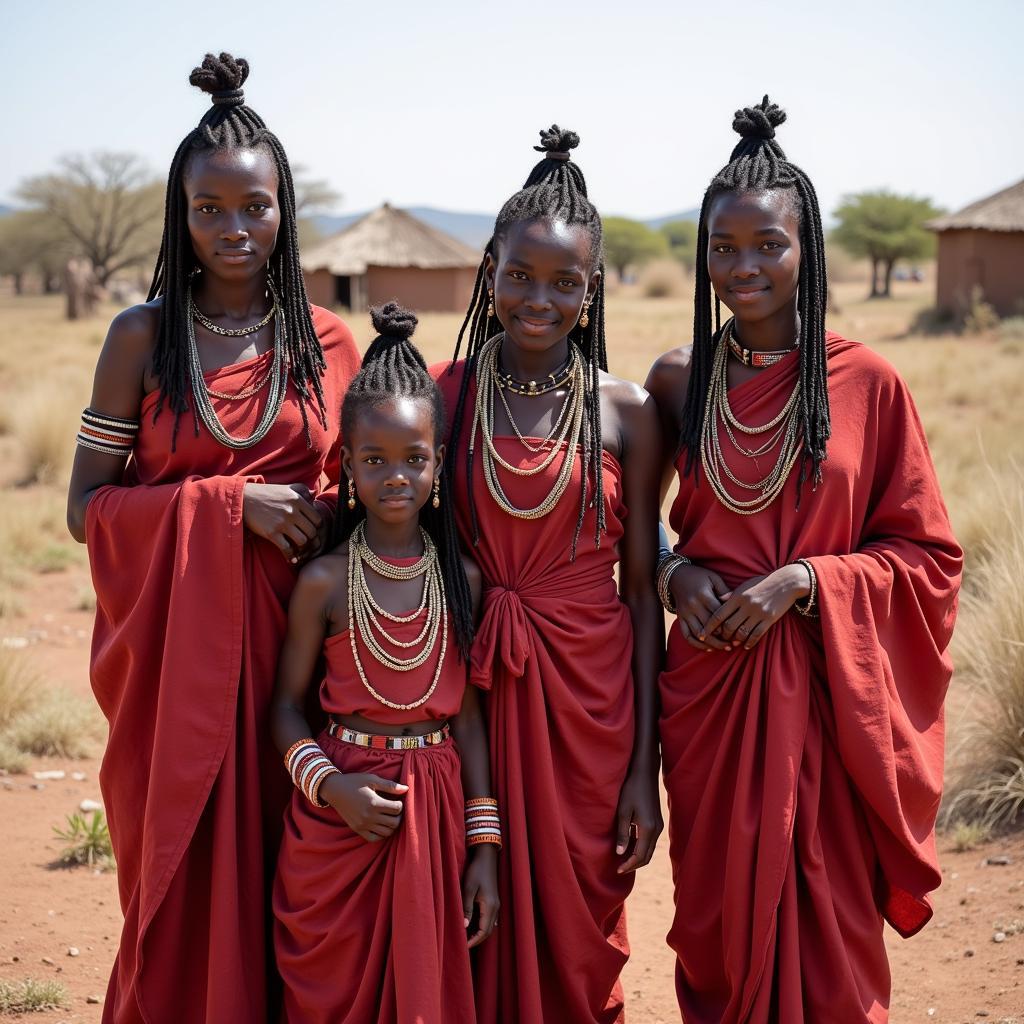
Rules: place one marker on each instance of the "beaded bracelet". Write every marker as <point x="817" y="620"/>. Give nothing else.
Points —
<point x="308" y="766"/>
<point x="807" y="607"/>
<point x="666" y="567"/>
<point x="112" y="435"/>
<point x="482" y="822"/>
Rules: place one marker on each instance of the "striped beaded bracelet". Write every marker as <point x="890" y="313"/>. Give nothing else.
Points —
<point x="807" y="607"/>
<point x="112" y="435"/>
<point x="308" y="766"/>
<point x="482" y="822"/>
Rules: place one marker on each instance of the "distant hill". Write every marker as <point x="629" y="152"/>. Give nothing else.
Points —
<point x="657" y="222"/>
<point x="471" y="228"/>
<point x="6" y="210"/>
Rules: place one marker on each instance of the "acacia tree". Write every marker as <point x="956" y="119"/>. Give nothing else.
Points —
<point x="628" y="243"/>
<point x="108" y="207"/>
<point x="885" y="227"/>
<point x="30" y="240"/>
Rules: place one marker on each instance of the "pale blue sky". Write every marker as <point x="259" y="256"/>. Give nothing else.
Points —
<point x="438" y="103"/>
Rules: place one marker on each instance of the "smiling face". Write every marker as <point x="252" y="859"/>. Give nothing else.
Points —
<point x="233" y="212"/>
<point x="541" y="277"/>
<point x="754" y="252"/>
<point x="392" y="456"/>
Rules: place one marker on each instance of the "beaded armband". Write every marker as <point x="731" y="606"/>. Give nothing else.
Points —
<point x="101" y="432"/>
<point x="308" y="766"/>
<point x="668" y="565"/>
<point x="482" y="822"/>
<point x="806" y="607"/>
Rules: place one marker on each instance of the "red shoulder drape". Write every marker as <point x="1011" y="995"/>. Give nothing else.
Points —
<point x="804" y="776"/>
<point x="555" y="646"/>
<point x="190" y="614"/>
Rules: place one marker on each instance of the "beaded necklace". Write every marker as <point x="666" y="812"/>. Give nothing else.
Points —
<point x="569" y="430"/>
<point x="277" y="378"/>
<point x="366" y="614"/>
<point x="783" y="430"/>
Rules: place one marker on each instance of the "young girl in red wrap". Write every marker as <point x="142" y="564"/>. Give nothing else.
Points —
<point x="195" y="487"/>
<point x="815" y="582"/>
<point x="548" y="452"/>
<point x="374" y="893"/>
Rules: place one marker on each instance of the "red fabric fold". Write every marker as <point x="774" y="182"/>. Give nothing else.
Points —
<point x="804" y="776"/>
<point x="190" y="614"/>
<point x="372" y="933"/>
<point x="557" y="642"/>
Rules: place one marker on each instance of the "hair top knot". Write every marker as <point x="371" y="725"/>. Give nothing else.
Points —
<point x="393" y="321"/>
<point x="759" y="121"/>
<point x="228" y="98"/>
<point x="556" y="142"/>
<point x="222" y="77"/>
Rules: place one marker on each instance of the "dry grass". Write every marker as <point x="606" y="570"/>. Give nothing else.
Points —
<point x="39" y="721"/>
<point x="30" y="996"/>
<point x="664" y="279"/>
<point x="44" y="425"/>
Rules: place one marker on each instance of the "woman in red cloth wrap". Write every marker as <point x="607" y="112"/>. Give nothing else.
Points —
<point x="216" y="393"/>
<point x="549" y="451"/>
<point x="801" y="702"/>
<point x="371" y="910"/>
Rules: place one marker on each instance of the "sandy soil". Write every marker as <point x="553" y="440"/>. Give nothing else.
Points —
<point x="953" y="972"/>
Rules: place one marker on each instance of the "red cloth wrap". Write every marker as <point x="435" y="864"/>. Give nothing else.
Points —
<point x="373" y="933"/>
<point x="804" y="776"/>
<point x="555" y="645"/>
<point x="189" y="618"/>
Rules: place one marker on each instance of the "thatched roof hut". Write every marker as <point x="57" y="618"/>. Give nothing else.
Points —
<point x="390" y="254"/>
<point x="981" y="254"/>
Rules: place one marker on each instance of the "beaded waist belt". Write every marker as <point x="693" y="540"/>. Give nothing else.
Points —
<point x="379" y="742"/>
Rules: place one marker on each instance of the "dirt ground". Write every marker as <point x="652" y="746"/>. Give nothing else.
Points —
<point x="955" y="971"/>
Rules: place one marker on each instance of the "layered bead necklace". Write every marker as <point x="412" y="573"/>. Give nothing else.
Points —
<point x="568" y="431"/>
<point x="366" y="616"/>
<point x="783" y="430"/>
<point x="276" y="376"/>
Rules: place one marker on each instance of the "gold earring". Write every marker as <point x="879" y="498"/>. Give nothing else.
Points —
<point x="490" y="303"/>
<point x="437" y="492"/>
<point x="585" y="315"/>
<point x="351" y="494"/>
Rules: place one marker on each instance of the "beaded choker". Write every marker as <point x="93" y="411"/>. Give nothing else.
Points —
<point x="533" y="388"/>
<point x="752" y="357"/>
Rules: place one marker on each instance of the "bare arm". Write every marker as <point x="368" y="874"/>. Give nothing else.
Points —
<point x="117" y="390"/>
<point x="480" y="881"/>
<point x="639" y="805"/>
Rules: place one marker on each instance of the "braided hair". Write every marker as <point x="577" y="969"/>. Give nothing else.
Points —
<point x="555" y="191"/>
<point x="758" y="164"/>
<point x="229" y="123"/>
<point x="393" y="368"/>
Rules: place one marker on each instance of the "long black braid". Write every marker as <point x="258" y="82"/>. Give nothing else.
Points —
<point x="229" y="123"/>
<point x="555" y="190"/>
<point x="394" y="368"/>
<point x="758" y="164"/>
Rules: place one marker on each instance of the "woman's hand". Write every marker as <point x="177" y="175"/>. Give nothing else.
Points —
<point x="755" y="606"/>
<point x="698" y="594"/>
<point x="356" y="798"/>
<point x="480" y="890"/>
<point x="639" y="815"/>
<point x="285" y="515"/>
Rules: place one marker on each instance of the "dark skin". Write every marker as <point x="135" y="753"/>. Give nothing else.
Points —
<point x="544" y="272"/>
<point x="393" y="456"/>
<point x="754" y="263"/>
<point x="233" y="221"/>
